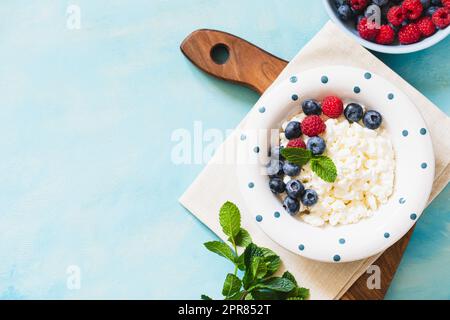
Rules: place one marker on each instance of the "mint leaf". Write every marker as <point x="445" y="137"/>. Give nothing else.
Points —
<point x="266" y="294"/>
<point x="240" y="262"/>
<point x="273" y="261"/>
<point x="247" y="280"/>
<point x="231" y="286"/>
<point x="242" y="239"/>
<point x="277" y="284"/>
<point x="324" y="167"/>
<point x="258" y="268"/>
<point x="251" y="251"/>
<point x="289" y="276"/>
<point x="230" y="219"/>
<point x="205" y="297"/>
<point x="302" y="293"/>
<point x="297" y="156"/>
<point x="236" y="296"/>
<point x="221" y="249"/>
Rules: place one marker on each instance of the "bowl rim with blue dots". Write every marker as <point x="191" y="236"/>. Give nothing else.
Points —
<point x="413" y="180"/>
<point x="348" y="27"/>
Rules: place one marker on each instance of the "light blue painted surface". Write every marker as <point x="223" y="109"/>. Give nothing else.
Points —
<point x="85" y="124"/>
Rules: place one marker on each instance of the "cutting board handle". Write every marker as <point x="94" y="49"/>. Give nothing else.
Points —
<point x="231" y="58"/>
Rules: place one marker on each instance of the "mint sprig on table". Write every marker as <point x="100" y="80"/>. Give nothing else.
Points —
<point x="253" y="277"/>
<point x="323" y="166"/>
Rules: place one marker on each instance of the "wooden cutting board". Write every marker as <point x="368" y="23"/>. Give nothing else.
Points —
<point x="233" y="59"/>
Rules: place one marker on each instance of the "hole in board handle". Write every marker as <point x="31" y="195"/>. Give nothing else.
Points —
<point x="220" y="53"/>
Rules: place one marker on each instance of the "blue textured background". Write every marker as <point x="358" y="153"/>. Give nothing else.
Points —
<point x="86" y="118"/>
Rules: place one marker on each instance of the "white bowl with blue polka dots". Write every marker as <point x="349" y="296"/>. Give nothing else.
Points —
<point x="414" y="173"/>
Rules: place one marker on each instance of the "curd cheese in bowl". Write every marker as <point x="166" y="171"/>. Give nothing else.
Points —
<point x="365" y="163"/>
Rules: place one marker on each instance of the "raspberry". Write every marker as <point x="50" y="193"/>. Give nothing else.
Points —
<point x="395" y="16"/>
<point x="441" y="18"/>
<point x="409" y="34"/>
<point x="426" y="26"/>
<point x="359" y="4"/>
<point x="313" y="126"/>
<point x="386" y="35"/>
<point x="446" y="3"/>
<point x="332" y="107"/>
<point x="367" y="31"/>
<point x="412" y="9"/>
<point x="296" y="143"/>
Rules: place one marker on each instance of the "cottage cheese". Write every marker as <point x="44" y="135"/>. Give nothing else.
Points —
<point x="365" y="164"/>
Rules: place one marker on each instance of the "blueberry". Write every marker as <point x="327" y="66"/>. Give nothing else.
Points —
<point x="436" y="2"/>
<point x="293" y="130"/>
<point x="275" y="168"/>
<point x="339" y="3"/>
<point x="277" y="185"/>
<point x="310" y="198"/>
<point x="275" y="153"/>
<point x="380" y="3"/>
<point x="431" y="10"/>
<point x="425" y="4"/>
<point x="345" y="12"/>
<point x="311" y="107"/>
<point x="353" y="112"/>
<point x="372" y="119"/>
<point x="295" y="189"/>
<point x="292" y="206"/>
<point x="316" y="145"/>
<point x="291" y="169"/>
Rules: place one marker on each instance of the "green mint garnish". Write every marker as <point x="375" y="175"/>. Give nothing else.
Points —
<point x="297" y="156"/>
<point x="231" y="286"/>
<point x="230" y="219"/>
<point x="256" y="263"/>
<point x="323" y="166"/>
<point x="221" y="249"/>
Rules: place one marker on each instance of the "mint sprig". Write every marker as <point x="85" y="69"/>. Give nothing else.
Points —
<point x="258" y="265"/>
<point x="323" y="166"/>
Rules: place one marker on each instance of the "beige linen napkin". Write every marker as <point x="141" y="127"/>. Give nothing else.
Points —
<point x="218" y="182"/>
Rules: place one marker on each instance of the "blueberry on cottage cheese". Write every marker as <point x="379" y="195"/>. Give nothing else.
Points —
<point x="295" y="189"/>
<point x="311" y="107"/>
<point x="309" y="198"/>
<point x="345" y="12"/>
<point x="292" y="206"/>
<point x="372" y="119"/>
<point x="277" y="185"/>
<point x="275" y="168"/>
<point x="353" y="112"/>
<point x="293" y="130"/>
<point x="291" y="169"/>
<point x="316" y="145"/>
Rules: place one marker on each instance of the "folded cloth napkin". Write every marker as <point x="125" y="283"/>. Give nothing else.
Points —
<point x="218" y="182"/>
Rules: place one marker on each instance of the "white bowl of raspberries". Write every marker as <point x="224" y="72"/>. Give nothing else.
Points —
<point x="392" y="26"/>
